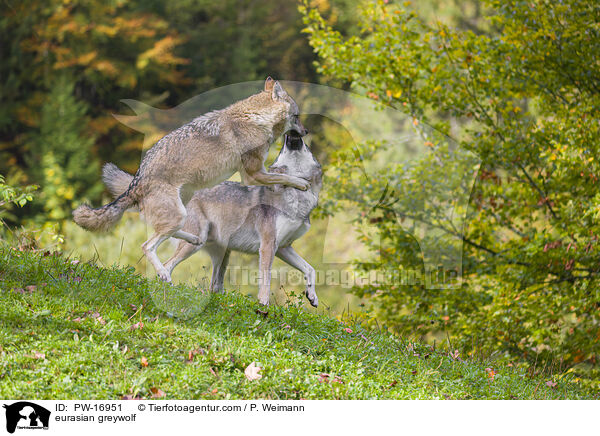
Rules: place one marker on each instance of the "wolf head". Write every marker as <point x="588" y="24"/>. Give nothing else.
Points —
<point x="296" y="159"/>
<point x="284" y="108"/>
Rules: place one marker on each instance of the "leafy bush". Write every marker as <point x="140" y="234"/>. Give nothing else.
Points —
<point x="524" y="89"/>
<point x="11" y="195"/>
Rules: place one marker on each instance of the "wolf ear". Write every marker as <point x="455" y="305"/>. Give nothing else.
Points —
<point x="269" y="82"/>
<point x="278" y="92"/>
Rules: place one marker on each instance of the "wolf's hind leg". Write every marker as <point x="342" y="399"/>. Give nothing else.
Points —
<point x="220" y="258"/>
<point x="187" y="237"/>
<point x="149" y="247"/>
<point x="165" y="212"/>
<point x="186" y="249"/>
<point x="182" y="252"/>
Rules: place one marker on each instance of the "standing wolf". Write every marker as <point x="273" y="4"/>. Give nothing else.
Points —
<point x="198" y="155"/>
<point x="250" y="219"/>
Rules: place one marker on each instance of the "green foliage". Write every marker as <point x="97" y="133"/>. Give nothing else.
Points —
<point x="100" y="333"/>
<point x="14" y="195"/>
<point x="526" y="93"/>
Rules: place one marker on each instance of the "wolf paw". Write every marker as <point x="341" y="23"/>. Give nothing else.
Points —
<point x="302" y="184"/>
<point x="164" y="276"/>
<point x="312" y="298"/>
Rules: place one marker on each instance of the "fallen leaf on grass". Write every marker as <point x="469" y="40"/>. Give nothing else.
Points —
<point x="131" y="397"/>
<point x="192" y="353"/>
<point x="348" y="330"/>
<point x="393" y="383"/>
<point x="251" y="372"/>
<point x="157" y="393"/>
<point x="37" y="355"/>
<point x="137" y="325"/>
<point x="551" y="384"/>
<point x="98" y="318"/>
<point x="213" y="372"/>
<point x="323" y="378"/>
<point x="144" y="362"/>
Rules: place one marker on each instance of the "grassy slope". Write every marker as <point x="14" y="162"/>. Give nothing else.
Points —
<point x="73" y="338"/>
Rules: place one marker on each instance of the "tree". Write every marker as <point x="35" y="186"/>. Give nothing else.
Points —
<point x="526" y="94"/>
<point x="59" y="158"/>
<point x="108" y="50"/>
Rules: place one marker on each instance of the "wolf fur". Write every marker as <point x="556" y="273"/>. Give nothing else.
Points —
<point x="200" y="154"/>
<point x="251" y="219"/>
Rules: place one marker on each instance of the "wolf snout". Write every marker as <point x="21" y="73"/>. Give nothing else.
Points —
<point x="293" y="141"/>
<point x="298" y="130"/>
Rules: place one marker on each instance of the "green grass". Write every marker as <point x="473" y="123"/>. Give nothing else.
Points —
<point x="72" y="334"/>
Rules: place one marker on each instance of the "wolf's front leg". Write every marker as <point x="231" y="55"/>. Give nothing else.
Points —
<point x="253" y="173"/>
<point x="266" y="253"/>
<point x="292" y="258"/>
<point x="265" y="178"/>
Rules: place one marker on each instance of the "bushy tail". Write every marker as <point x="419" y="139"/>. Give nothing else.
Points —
<point x="105" y="217"/>
<point x="116" y="180"/>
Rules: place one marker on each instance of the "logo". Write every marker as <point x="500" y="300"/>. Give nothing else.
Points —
<point x="26" y="415"/>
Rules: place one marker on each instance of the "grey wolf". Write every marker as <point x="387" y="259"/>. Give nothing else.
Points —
<point x="251" y="219"/>
<point x="201" y="154"/>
